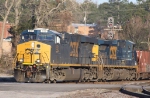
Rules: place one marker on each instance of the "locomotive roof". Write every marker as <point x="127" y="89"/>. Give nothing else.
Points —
<point x="126" y="41"/>
<point x="83" y="38"/>
<point x="113" y="42"/>
<point x="41" y="30"/>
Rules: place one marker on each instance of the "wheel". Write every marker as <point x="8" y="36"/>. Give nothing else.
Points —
<point x="54" y="81"/>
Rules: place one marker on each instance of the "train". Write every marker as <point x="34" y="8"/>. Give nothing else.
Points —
<point x="45" y="55"/>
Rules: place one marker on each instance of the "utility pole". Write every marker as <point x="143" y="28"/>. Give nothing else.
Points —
<point x="148" y="43"/>
<point x="85" y="21"/>
<point x="85" y="18"/>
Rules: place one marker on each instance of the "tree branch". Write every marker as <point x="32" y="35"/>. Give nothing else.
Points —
<point x="1" y="15"/>
<point x="6" y="6"/>
<point x="56" y="7"/>
<point x="17" y="12"/>
<point x="4" y="22"/>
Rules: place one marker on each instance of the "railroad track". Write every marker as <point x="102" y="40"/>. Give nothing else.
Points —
<point x="141" y="82"/>
<point x="142" y="94"/>
<point x="145" y="91"/>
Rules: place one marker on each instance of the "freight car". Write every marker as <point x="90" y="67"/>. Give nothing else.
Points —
<point x="48" y="56"/>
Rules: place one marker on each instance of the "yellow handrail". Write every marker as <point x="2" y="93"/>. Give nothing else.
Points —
<point x="14" y="61"/>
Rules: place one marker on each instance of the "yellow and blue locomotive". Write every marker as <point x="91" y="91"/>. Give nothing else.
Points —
<point x="47" y="55"/>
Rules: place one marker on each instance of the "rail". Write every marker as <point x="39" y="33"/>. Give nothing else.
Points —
<point x="144" y="93"/>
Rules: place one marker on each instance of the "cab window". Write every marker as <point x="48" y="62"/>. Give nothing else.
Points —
<point x="43" y="36"/>
<point x="26" y="37"/>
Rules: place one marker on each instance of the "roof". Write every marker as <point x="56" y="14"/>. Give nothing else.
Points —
<point x="88" y="25"/>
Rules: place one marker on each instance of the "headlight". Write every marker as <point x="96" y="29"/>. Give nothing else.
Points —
<point x="32" y="44"/>
<point x="38" y="61"/>
<point x="21" y="60"/>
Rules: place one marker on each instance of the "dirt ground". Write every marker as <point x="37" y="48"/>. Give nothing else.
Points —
<point x="88" y="93"/>
<point x="95" y="93"/>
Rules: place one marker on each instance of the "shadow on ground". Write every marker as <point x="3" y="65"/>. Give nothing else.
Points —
<point x="7" y="79"/>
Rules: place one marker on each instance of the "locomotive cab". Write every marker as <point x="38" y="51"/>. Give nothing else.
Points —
<point x="40" y="35"/>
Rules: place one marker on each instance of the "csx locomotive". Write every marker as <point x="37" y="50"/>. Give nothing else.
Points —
<point x="48" y="56"/>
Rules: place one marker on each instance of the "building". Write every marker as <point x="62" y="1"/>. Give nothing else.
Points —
<point x="83" y="29"/>
<point x="7" y="27"/>
<point x="6" y="48"/>
<point x="6" y="45"/>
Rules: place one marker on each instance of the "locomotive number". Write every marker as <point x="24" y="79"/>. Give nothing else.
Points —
<point x="74" y="49"/>
<point x="57" y="48"/>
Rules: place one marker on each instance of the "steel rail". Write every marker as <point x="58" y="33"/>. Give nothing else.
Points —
<point x="145" y="91"/>
<point x="139" y="95"/>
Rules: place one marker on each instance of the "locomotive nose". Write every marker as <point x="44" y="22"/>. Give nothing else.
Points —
<point x="34" y="52"/>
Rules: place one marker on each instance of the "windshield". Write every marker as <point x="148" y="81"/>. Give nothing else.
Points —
<point x="45" y="37"/>
<point x="28" y="37"/>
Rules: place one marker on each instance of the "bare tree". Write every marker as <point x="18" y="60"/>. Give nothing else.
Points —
<point x="14" y="28"/>
<point x="136" y="30"/>
<point x="8" y="6"/>
<point x="17" y="9"/>
<point x="45" y="10"/>
<point x="76" y="10"/>
<point x="50" y="14"/>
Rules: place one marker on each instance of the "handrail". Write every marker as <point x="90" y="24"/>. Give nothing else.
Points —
<point x="46" y="56"/>
<point x="14" y="61"/>
<point x="43" y="58"/>
<point x="100" y="62"/>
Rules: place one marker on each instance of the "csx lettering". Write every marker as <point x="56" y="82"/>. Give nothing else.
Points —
<point x="113" y="52"/>
<point x="74" y="46"/>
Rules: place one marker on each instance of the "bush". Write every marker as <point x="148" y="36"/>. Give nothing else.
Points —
<point x="6" y="64"/>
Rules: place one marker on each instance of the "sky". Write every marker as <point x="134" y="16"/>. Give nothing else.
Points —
<point x="102" y="1"/>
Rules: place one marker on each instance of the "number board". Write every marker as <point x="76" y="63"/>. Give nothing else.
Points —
<point x="57" y="48"/>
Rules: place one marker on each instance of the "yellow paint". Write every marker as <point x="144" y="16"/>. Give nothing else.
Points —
<point x="15" y="60"/>
<point x="27" y="63"/>
<point x="74" y="49"/>
<point x="112" y="66"/>
<point x="113" y="50"/>
<point x="95" y="50"/>
<point x="30" y="58"/>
